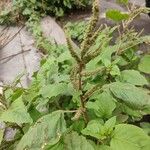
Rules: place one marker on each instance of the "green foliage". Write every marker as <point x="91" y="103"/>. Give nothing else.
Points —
<point x="31" y="11"/>
<point x="103" y="106"/>
<point x="84" y="97"/>
<point x="116" y="15"/>
<point x="16" y="113"/>
<point x="76" y="142"/>
<point x="133" y="77"/>
<point x="130" y="94"/>
<point x="144" y="64"/>
<point x="49" y="129"/>
<point x="76" y="30"/>
<point x="129" y="137"/>
<point x="56" y="7"/>
<point x="27" y="8"/>
<point x="100" y="130"/>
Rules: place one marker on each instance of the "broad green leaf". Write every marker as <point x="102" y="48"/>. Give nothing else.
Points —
<point x="132" y="96"/>
<point x="121" y="118"/>
<point x="34" y="113"/>
<point x="98" y="129"/>
<point x="115" y="71"/>
<point x="129" y="137"/>
<point x="70" y="141"/>
<point x="27" y="11"/>
<point x="48" y="69"/>
<point x="8" y="94"/>
<point x="93" y="129"/>
<point x="146" y="145"/>
<point x="75" y="142"/>
<point x="109" y="125"/>
<point x="64" y="56"/>
<point x="133" y="77"/>
<point x="104" y="147"/>
<point x="104" y="57"/>
<point x="144" y="65"/>
<point x="116" y="15"/>
<point x="78" y="125"/>
<point x="47" y="129"/>
<point x="16" y="113"/>
<point x="136" y="114"/>
<point x="107" y="52"/>
<point x="103" y="106"/>
<point x="53" y="90"/>
<point x="57" y="146"/>
<point x="54" y="144"/>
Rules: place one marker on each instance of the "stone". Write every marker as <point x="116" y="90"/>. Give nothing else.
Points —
<point x="18" y="53"/>
<point x="52" y="30"/>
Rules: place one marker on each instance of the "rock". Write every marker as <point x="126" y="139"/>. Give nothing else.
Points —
<point x="52" y="30"/>
<point x="1" y="89"/>
<point x="138" y="2"/>
<point x="17" y="54"/>
<point x="140" y="23"/>
<point x="110" y="4"/>
<point x="10" y="134"/>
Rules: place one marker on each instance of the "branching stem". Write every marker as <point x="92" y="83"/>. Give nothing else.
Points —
<point x="81" y="96"/>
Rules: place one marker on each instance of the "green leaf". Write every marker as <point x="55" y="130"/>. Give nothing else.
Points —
<point x="71" y="141"/>
<point x="103" y="106"/>
<point x="78" y="125"/>
<point x="132" y="96"/>
<point x="115" y="71"/>
<point x="26" y="11"/>
<point x="144" y="65"/>
<point x="133" y="77"/>
<point x="47" y="129"/>
<point x="53" y="90"/>
<point x="75" y="142"/>
<point x="136" y="114"/>
<point x="54" y="144"/>
<point x="104" y="147"/>
<point x="94" y="129"/>
<point x="108" y="51"/>
<point x="16" y="113"/>
<point x="64" y="57"/>
<point x="129" y="137"/>
<point x="116" y="15"/>
<point x="109" y="125"/>
<point x="48" y="69"/>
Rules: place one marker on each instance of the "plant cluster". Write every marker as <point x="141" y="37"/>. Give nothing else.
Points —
<point x="83" y="98"/>
<point x="31" y="11"/>
<point x="76" y="30"/>
<point x="56" y="7"/>
<point x="26" y="8"/>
